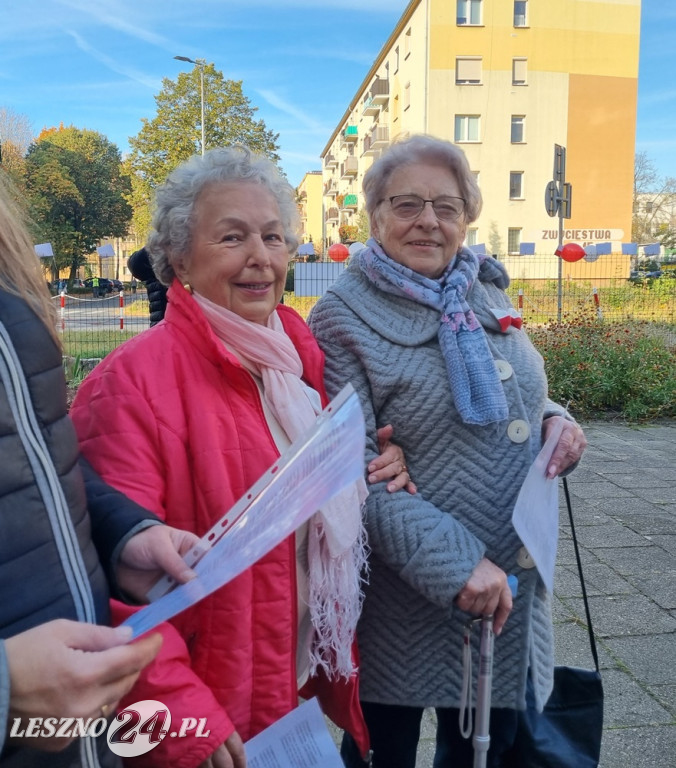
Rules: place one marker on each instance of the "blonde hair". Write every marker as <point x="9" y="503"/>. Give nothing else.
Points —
<point x="20" y="271"/>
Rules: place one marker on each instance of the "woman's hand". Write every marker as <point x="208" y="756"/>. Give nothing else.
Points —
<point x="150" y="554"/>
<point x="487" y="593"/>
<point x="228" y="755"/>
<point x="390" y="465"/>
<point x="70" y="669"/>
<point x="570" y="447"/>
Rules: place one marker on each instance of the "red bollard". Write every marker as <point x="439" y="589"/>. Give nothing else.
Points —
<point x="597" y="303"/>
<point x="121" y="310"/>
<point x="63" y="311"/>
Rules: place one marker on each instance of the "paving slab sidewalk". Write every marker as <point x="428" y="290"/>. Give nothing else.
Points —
<point x="624" y="502"/>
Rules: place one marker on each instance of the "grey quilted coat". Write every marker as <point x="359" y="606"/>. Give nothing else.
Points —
<point x="424" y="547"/>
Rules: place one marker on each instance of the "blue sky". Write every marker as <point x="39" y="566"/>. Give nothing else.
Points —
<point x="98" y="64"/>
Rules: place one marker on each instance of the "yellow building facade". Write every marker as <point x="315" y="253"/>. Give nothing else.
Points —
<point x="309" y="194"/>
<point x="505" y="80"/>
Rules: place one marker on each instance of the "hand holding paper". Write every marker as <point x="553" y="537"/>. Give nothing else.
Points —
<point x="536" y="512"/>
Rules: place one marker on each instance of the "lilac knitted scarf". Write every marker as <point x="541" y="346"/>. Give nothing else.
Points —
<point x="475" y="385"/>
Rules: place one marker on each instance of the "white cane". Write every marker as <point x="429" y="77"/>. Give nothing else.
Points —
<point x="481" y="740"/>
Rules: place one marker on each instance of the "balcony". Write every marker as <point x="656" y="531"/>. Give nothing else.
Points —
<point x="350" y="134"/>
<point x="350" y="202"/>
<point x="330" y="161"/>
<point x="332" y="214"/>
<point x="380" y="137"/>
<point x="380" y="91"/>
<point x="330" y="188"/>
<point x="370" y="106"/>
<point x="349" y="168"/>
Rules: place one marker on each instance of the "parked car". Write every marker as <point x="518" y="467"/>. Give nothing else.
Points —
<point x="654" y="273"/>
<point x="117" y="284"/>
<point x="105" y="285"/>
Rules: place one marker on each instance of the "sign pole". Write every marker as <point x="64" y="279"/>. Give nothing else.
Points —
<point x="558" y="202"/>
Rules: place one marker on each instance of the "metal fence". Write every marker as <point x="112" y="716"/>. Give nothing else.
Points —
<point x="90" y="326"/>
<point x="602" y="289"/>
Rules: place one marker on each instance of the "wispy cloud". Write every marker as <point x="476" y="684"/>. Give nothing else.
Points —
<point x="329" y="53"/>
<point x="115" y="66"/>
<point x="658" y="97"/>
<point x="104" y="17"/>
<point x="276" y="101"/>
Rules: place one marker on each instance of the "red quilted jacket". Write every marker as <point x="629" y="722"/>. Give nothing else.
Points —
<point x="172" y="419"/>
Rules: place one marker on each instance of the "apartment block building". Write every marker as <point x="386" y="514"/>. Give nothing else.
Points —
<point x="309" y="194"/>
<point x="506" y="80"/>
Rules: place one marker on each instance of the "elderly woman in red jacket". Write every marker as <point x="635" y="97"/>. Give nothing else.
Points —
<point x="187" y="416"/>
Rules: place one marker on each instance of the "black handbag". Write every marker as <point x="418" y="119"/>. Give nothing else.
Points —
<point x="567" y="734"/>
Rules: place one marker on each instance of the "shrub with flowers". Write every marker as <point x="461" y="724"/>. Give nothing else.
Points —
<point x="625" y="370"/>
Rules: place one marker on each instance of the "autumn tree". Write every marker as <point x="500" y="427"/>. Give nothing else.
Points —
<point x="654" y="204"/>
<point x="363" y="226"/>
<point x="16" y="135"/>
<point x="76" y="192"/>
<point x="174" y="134"/>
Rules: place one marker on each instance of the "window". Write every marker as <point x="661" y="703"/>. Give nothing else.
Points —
<point x="472" y="235"/>
<point x="649" y="207"/>
<point x="476" y="176"/>
<point x="407" y="95"/>
<point x="396" y="59"/>
<point x="518" y="125"/>
<point x="466" y="128"/>
<point x="513" y="240"/>
<point x="407" y="43"/>
<point x="516" y="185"/>
<point x="520" y="9"/>
<point x="468" y="70"/>
<point x="519" y="71"/>
<point x="468" y="12"/>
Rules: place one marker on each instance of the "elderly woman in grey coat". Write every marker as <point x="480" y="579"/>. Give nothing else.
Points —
<point x="417" y="325"/>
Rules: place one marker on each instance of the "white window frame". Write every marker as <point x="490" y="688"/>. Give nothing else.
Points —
<point x="407" y="44"/>
<point x="466" y="70"/>
<point x="516" y="179"/>
<point x="520" y="13"/>
<point x="514" y="233"/>
<point x="519" y="63"/>
<point x="472" y="237"/>
<point x="407" y="96"/>
<point x="468" y="13"/>
<point x="518" y="124"/>
<point x="465" y="123"/>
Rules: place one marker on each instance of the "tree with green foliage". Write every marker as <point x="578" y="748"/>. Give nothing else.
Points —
<point x="76" y="193"/>
<point x="363" y="226"/>
<point x="174" y="134"/>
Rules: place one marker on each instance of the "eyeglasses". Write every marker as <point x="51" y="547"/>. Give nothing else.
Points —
<point x="411" y="206"/>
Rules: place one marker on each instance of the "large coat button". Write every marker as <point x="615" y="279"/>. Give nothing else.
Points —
<point x="505" y="370"/>
<point x="518" y="431"/>
<point x="525" y="559"/>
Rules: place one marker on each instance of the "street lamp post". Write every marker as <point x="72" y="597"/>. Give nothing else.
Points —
<point x="198" y="63"/>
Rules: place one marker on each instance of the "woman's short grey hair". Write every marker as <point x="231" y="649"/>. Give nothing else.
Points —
<point x="173" y="218"/>
<point x="429" y="150"/>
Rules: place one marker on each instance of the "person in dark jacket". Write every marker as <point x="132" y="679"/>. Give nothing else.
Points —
<point x="65" y="537"/>
<point x="140" y="267"/>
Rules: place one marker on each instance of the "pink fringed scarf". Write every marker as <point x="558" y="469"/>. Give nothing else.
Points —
<point x="336" y="537"/>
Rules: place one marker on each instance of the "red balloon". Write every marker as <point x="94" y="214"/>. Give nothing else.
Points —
<point x="338" y="252"/>
<point x="570" y="252"/>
